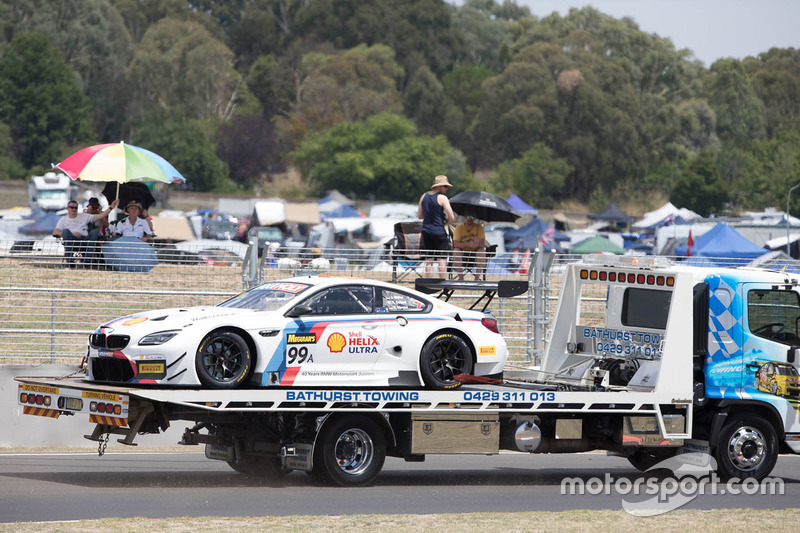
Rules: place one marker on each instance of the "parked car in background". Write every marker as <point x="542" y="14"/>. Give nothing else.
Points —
<point x="220" y="229"/>
<point x="268" y="236"/>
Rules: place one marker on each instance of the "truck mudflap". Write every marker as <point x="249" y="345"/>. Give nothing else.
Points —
<point x="106" y="408"/>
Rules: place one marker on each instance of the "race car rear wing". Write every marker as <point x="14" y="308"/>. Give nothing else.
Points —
<point x="446" y="288"/>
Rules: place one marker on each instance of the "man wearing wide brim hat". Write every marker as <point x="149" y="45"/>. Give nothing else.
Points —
<point x="435" y="211"/>
<point x="133" y="225"/>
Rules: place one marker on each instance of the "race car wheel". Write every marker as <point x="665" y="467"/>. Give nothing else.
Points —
<point x="350" y="452"/>
<point x="223" y="360"/>
<point x="443" y="357"/>
<point x="644" y="459"/>
<point x="747" y="447"/>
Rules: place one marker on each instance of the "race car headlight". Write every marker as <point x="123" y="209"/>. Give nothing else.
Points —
<point x="157" y="338"/>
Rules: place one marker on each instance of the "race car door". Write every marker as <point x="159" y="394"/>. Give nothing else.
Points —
<point x="347" y="336"/>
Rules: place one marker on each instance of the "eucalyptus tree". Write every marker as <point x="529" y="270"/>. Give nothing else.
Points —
<point x="41" y="102"/>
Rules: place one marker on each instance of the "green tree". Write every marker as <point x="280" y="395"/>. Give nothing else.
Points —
<point x="485" y="29"/>
<point x="343" y="86"/>
<point x="267" y="82"/>
<point x="40" y="101"/>
<point x="419" y="31"/>
<point x="181" y="68"/>
<point x="740" y="113"/>
<point x="537" y="176"/>
<point x="423" y="101"/>
<point x="187" y="144"/>
<point x="775" y="77"/>
<point x="700" y="187"/>
<point x="381" y="157"/>
<point x="96" y="46"/>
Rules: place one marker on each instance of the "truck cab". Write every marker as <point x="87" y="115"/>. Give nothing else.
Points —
<point x="51" y="192"/>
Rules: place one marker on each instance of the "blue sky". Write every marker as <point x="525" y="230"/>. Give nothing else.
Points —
<point x="712" y="29"/>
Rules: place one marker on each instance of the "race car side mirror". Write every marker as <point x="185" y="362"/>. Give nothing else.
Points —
<point x="299" y="310"/>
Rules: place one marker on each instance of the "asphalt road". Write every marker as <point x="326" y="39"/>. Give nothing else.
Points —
<point x="46" y="487"/>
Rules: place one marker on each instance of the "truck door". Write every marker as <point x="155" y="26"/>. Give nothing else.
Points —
<point x="772" y="330"/>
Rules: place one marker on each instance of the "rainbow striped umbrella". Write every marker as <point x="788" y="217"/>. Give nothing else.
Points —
<point x="118" y="162"/>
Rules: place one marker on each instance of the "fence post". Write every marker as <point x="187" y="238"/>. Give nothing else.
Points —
<point x="52" y="326"/>
<point x="532" y="305"/>
<point x="251" y="273"/>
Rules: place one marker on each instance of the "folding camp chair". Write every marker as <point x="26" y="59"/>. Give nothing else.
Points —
<point x="468" y="262"/>
<point x="404" y="250"/>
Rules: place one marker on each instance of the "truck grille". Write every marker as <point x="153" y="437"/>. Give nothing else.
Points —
<point x="111" y="342"/>
<point x="110" y="369"/>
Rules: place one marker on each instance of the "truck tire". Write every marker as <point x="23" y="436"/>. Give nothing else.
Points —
<point x="644" y="459"/>
<point x="223" y="360"/>
<point x="746" y="447"/>
<point x="443" y="357"/>
<point x="349" y="452"/>
<point x="259" y="466"/>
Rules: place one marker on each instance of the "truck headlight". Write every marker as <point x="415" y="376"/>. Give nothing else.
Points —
<point x="157" y="338"/>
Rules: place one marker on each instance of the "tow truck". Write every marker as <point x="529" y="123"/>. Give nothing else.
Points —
<point x="643" y="358"/>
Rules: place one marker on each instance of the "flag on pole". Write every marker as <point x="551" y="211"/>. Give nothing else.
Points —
<point x="689" y="244"/>
<point x="549" y="235"/>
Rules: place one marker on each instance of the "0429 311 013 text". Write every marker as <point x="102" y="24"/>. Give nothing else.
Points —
<point x="508" y="396"/>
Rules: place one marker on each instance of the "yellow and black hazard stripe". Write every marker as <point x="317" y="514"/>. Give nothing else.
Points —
<point x="40" y="411"/>
<point x="108" y="420"/>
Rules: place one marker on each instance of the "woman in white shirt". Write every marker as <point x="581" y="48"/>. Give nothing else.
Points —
<point x="133" y="226"/>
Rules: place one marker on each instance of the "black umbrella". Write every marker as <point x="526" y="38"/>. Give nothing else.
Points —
<point x="484" y="206"/>
<point x="132" y="190"/>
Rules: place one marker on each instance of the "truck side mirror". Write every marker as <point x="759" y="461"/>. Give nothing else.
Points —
<point x="790" y="354"/>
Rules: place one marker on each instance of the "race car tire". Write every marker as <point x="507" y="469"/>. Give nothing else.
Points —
<point x="223" y="360"/>
<point x="349" y="452"/>
<point x="746" y="447"/>
<point x="443" y="357"/>
<point x="259" y="466"/>
<point x="644" y="459"/>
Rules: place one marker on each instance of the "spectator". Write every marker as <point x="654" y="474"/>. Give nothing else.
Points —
<point x="133" y="225"/>
<point x="74" y="227"/>
<point x="469" y="241"/>
<point x="435" y="211"/>
<point x="101" y="225"/>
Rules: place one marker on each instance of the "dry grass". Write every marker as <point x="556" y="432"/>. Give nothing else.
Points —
<point x="721" y="521"/>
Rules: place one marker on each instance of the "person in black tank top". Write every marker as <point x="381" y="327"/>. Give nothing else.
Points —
<point x="435" y="211"/>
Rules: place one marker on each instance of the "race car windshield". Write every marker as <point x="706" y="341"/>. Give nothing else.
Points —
<point x="268" y="297"/>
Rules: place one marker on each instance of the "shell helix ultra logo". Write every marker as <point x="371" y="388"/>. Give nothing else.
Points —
<point x="336" y="342"/>
<point x="134" y="321"/>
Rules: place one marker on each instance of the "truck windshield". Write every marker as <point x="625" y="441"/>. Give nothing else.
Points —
<point x="774" y="314"/>
<point x="267" y="297"/>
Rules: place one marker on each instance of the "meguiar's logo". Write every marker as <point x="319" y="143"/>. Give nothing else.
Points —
<point x="294" y="338"/>
<point x="336" y="342"/>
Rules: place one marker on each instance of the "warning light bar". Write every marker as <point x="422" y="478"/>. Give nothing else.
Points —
<point x="630" y="278"/>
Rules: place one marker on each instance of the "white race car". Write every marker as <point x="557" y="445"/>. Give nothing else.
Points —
<point x="302" y="332"/>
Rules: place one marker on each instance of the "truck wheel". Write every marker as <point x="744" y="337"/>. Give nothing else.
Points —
<point x="443" y="357"/>
<point x="644" y="459"/>
<point x="223" y="360"/>
<point x="259" y="466"/>
<point x="747" y="447"/>
<point x="349" y="452"/>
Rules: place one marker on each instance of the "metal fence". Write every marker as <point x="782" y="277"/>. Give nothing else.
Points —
<point x="49" y="307"/>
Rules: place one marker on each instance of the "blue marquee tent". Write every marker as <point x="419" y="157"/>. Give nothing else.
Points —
<point x="527" y="236"/>
<point x="521" y="207"/>
<point x="722" y="244"/>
